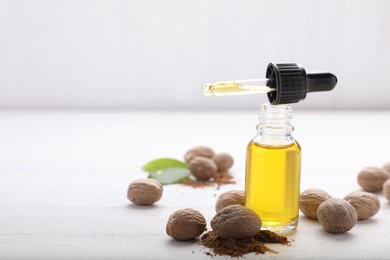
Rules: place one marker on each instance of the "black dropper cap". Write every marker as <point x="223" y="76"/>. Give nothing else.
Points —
<point x="292" y="83"/>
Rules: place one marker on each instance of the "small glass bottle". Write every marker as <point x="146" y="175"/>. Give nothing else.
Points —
<point x="273" y="167"/>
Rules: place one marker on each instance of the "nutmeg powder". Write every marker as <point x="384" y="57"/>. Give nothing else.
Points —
<point x="239" y="247"/>
<point x="220" y="178"/>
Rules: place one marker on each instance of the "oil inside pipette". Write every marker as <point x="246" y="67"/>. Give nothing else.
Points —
<point x="234" y="88"/>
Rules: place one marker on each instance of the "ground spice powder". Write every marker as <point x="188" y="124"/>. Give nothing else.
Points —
<point x="220" y="178"/>
<point x="240" y="247"/>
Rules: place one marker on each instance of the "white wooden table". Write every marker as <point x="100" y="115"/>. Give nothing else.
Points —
<point x="64" y="177"/>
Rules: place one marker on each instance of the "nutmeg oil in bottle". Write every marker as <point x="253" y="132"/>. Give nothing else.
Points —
<point x="273" y="166"/>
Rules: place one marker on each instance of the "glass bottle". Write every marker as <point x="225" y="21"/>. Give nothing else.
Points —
<point x="272" y="184"/>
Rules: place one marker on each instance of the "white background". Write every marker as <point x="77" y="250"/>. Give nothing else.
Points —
<point x="157" y="54"/>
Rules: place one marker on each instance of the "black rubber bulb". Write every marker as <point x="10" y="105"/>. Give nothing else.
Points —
<point x="320" y="81"/>
<point x="292" y="83"/>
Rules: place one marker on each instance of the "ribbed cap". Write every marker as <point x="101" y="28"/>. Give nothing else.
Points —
<point x="289" y="80"/>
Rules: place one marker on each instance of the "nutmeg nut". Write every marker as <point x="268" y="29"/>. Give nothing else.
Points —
<point x="372" y="178"/>
<point x="232" y="197"/>
<point x="366" y="204"/>
<point x="236" y="221"/>
<point x="201" y="151"/>
<point x="386" y="189"/>
<point x="387" y="167"/>
<point x="185" y="224"/>
<point x="337" y="216"/>
<point x="224" y="161"/>
<point x="310" y="200"/>
<point x="203" y="168"/>
<point x="144" y="191"/>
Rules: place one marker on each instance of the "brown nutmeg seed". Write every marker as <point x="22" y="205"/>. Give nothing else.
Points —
<point x="185" y="224"/>
<point x="198" y="151"/>
<point x="236" y="221"/>
<point x="223" y="161"/>
<point x="366" y="204"/>
<point x="387" y="167"/>
<point x="203" y="168"/>
<point x="233" y="197"/>
<point x="386" y="189"/>
<point x="337" y="216"/>
<point x="372" y="178"/>
<point x="144" y="191"/>
<point x="310" y="200"/>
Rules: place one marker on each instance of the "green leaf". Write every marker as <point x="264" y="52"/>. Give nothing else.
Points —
<point x="163" y="163"/>
<point x="170" y="175"/>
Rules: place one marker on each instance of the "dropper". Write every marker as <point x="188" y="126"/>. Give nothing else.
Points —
<point x="285" y="83"/>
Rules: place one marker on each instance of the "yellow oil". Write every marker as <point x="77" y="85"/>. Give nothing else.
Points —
<point x="272" y="185"/>
<point x="232" y="88"/>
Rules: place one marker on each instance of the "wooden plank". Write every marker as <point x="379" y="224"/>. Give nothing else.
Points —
<point x="64" y="177"/>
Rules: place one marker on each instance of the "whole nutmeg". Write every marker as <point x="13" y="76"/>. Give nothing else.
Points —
<point x="232" y="197"/>
<point x="386" y="190"/>
<point x="310" y="200"/>
<point x="236" y="221"/>
<point x="366" y="204"/>
<point x="337" y="215"/>
<point x="223" y="161"/>
<point x="144" y="191"/>
<point x="372" y="178"/>
<point x="387" y="167"/>
<point x="185" y="224"/>
<point x="203" y="168"/>
<point x="201" y="151"/>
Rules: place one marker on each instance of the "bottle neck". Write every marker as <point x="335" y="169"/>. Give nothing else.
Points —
<point x="274" y="128"/>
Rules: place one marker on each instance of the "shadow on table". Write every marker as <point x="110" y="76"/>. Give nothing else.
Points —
<point x="343" y="237"/>
<point x="369" y="221"/>
<point x="191" y="242"/>
<point x="140" y="207"/>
